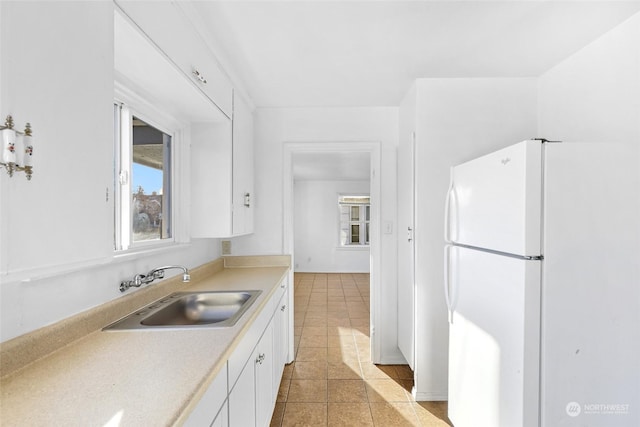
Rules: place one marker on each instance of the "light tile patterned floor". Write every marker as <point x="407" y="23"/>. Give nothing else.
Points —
<point x="332" y="381"/>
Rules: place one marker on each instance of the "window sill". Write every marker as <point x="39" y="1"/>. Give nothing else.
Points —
<point x="142" y="251"/>
<point x="359" y="248"/>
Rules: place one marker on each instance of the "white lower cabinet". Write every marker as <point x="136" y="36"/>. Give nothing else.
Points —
<point x="280" y="339"/>
<point x="252" y="399"/>
<point x="222" y="419"/>
<point x="253" y="395"/>
<point x="244" y="392"/>
<point x="242" y="402"/>
<point x="264" y="362"/>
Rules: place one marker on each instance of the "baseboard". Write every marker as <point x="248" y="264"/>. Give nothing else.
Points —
<point x="393" y="360"/>
<point x="429" y="396"/>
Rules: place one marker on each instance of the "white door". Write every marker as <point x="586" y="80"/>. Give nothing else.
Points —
<point x="406" y="290"/>
<point x="494" y="306"/>
<point x="495" y="201"/>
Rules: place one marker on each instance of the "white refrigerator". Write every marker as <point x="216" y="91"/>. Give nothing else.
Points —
<point x="542" y="284"/>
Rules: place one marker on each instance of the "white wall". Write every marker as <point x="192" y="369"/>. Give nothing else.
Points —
<point x="317" y="225"/>
<point x="456" y="120"/>
<point x="275" y="126"/>
<point x="56" y="244"/>
<point x="57" y="74"/>
<point x="594" y="96"/>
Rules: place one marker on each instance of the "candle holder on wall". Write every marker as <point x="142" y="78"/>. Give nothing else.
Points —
<point x="17" y="149"/>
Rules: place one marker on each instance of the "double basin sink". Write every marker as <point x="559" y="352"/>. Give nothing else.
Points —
<point x="215" y="309"/>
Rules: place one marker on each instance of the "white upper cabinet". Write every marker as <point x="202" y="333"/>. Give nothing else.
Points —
<point x="143" y="71"/>
<point x="211" y="179"/>
<point x="167" y="25"/>
<point x="243" y="196"/>
<point x="222" y="175"/>
<point x="188" y="82"/>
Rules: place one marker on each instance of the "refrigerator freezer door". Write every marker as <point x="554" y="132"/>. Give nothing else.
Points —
<point x="495" y="201"/>
<point x="493" y="339"/>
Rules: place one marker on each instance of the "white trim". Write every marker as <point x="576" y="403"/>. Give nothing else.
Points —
<point x="128" y="94"/>
<point x="374" y="148"/>
<point x="47" y="272"/>
<point x="144" y="251"/>
<point x="428" y="397"/>
<point x="150" y="114"/>
<point x="58" y="270"/>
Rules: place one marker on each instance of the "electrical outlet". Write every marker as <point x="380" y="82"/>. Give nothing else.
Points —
<point x="226" y="247"/>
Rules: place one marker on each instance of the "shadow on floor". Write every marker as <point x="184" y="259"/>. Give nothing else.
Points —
<point x="332" y="381"/>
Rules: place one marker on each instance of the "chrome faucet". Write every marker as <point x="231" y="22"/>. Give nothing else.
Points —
<point x="156" y="273"/>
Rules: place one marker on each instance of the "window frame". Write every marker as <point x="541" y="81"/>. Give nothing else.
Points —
<point x="137" y="106"/>
<point x="363" y="222"/>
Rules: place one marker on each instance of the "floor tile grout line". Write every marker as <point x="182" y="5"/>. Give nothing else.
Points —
<point x="352" y="339"/>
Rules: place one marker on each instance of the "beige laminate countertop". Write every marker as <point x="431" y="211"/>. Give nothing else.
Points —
<point x="132" y="378"/>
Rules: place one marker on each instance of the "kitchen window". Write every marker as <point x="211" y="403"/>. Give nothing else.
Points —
<point x="143" y="181"/>
<point x="355" y="216"/>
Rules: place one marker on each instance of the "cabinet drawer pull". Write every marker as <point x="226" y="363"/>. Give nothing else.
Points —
<point x="283" y="308"/>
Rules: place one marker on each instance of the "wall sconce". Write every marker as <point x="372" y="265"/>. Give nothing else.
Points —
<point x="17" y="149"/>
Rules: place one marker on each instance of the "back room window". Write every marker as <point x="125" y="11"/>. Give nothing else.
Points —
<point x="355" y="216"/>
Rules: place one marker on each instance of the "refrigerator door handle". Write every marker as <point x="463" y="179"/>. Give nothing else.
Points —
<point x="447" y="281"/>
<point x="447" y="208"/>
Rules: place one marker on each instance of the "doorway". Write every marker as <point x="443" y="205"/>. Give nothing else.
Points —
<point x="323" y="149"/>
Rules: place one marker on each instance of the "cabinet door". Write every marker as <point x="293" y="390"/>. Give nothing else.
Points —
<point x="222" y="175"/>
<point x="222" y="420"/>
<point x="242" y="403"/>
<point x="211" y="403"/>
<point x="211" y="179"/>
<point x="280" y="340"/>
<point x="168" y="25"/>
<point x="243" y="196"/>
<point x="264" y="362"/>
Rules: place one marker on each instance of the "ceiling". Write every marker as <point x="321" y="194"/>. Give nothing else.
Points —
<point x="367" y="53"/>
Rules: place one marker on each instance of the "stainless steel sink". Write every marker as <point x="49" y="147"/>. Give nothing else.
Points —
<point x="190" y="310"/>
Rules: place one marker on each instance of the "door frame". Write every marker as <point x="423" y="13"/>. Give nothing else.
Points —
<point x="374" y="150"/>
